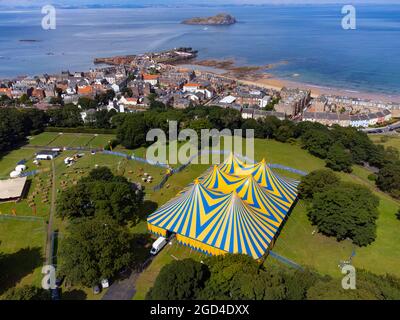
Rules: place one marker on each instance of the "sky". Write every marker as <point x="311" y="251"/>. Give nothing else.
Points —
<point x="22" y="3"/>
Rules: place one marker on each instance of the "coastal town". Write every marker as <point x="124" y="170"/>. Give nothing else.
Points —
<point x="170" y="78"/>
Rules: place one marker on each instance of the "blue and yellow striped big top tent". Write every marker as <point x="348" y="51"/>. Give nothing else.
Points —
<point x="234" y="208"/>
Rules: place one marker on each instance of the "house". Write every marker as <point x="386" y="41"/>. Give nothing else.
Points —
<point x="197" y="88"/>
<point x="38" y="94"/>
<point x="129" y="101"/>
<point x="252" y="98"/>
<point x="359" y="121"/>
<point x="228" y="100"/>
<point x="151" y="79"/>
<point x="86" y="90"/>
<point x="6" y="92"/>
<point x="191" y="87"/>
<point x="46" y="155"/>
<point x="88" y="116"/>
<point x="250" y="113"/>
<point x="344" y="120"/>
<point x="181" y="103"/>
<point x="115" y="88"/>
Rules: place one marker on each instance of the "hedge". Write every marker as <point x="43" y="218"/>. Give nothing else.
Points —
<point x="81" y="130"/>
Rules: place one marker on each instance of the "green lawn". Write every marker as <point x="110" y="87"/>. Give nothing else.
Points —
<point x="65" y="140"/>
<point x="387" y="141"/>
<point x="296" y="242"/>
<point x="8" y="161"/>
<point x="100" y="141"/>
<point x="43" y="139"/>
<point x="22" y="246"/>
<point x="82" y="140"/>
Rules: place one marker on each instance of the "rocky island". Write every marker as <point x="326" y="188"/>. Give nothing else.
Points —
<point x="219" y="19"/>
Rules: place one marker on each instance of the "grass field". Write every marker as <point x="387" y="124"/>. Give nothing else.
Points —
<point x="100" y="141"/>
<point x="387" y="141"/>
<point x="55" y="139"/>
<point x="43" y="139"/>
<point x="296" y="241"/>
<point x="22" y="246"/>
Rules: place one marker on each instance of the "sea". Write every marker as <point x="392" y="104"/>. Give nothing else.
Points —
<point x="310" y="40"/>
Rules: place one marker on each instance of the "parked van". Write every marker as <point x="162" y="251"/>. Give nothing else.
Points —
<point x="158" y="245"/>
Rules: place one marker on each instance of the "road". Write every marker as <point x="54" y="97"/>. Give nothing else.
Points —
<point x="386" y="129"/>
<point x="125" y="289"/>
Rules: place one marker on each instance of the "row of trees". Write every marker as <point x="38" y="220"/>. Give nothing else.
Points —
<point x="16" y="125"/>
<point x="341" y="147"/>
<point x="98" y="243"/>
<point x="69" y="116"/>
<point x="338" y="209"/>
<point x="239" y="277"/>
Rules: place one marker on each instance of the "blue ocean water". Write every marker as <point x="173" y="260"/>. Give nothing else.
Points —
<point x="309" y="38"/>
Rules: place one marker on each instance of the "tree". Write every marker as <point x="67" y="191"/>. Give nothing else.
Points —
<point x="132" y="133"/>
<point x="346" y="211"/>
<point x="285" y="131"/>
<point x="35" y="120"/>
<point x="95" y="249"/>
<point x="28" y="293"/>
<point x="102" y="193"/>
<point x="87" y="103"/>
<point x="255" y="125"/>
<point x="270" y="125"/>
<point x="104" y="98"/>
<point x="66" y="116"/>
<point x="228" y="275"/>
<point x="369" y="287"/>
<point x="317" y="142"/>
<point x="317" y="181"/>
<point x="199" y="124"/>
<point x="100" y="174"/>
<point x="179" y="280"/>
<point x="13" y="128"/>
<point x="389" y="179"/>
<point x="339" y="159"/>
<point x="332" y="290"/>
<point x="305" y="126"/>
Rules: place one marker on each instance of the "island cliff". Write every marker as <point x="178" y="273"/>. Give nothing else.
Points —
<point x="220" y="19"/>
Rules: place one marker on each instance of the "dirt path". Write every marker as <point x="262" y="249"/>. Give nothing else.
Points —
<point x="49" y="253"/>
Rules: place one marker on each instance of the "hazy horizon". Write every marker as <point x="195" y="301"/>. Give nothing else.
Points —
<point x="30" y="3"/>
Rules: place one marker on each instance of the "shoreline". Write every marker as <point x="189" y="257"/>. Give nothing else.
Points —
<point x="263" y="76"/>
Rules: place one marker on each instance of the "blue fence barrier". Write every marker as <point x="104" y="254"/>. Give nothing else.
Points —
<point x="29" y="173"/>
<point x="285" y="260"/>
<point x="118" y="154"/>
<point x="21" y="218"/>
<point x="278" y="166"/>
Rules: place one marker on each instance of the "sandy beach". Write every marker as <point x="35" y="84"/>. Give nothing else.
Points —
<point x="263" y="76"/>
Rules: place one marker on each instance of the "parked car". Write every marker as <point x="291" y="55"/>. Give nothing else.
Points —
<point x="96" y="289"/>
<point x="55" y="294"/>
<point x="105" y="283"/>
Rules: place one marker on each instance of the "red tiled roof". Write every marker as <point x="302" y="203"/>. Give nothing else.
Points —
<point x="192" y="85"/>
<point x="150" y="76"/>
<point x="85" y="90"/>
